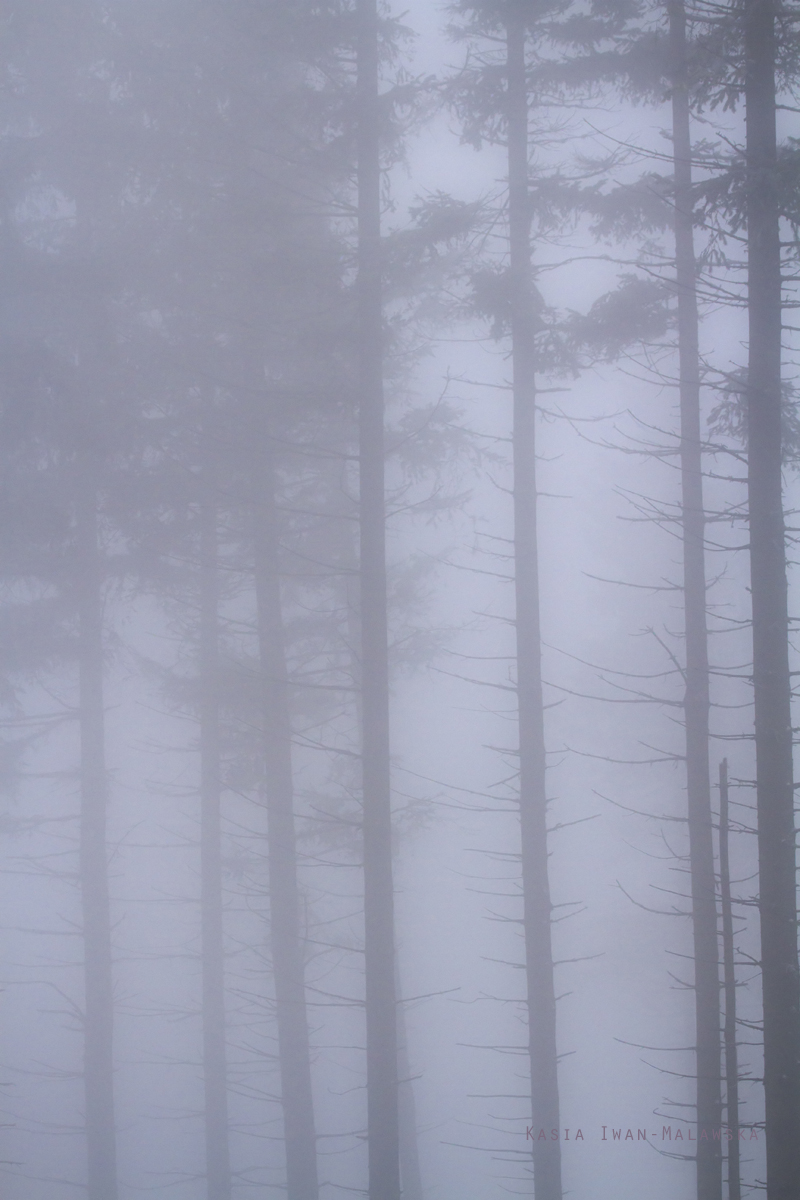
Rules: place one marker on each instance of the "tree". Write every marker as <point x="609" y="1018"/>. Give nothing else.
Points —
<point x="497" y="106"/>
<point x="73" y="365"/>
<point x="215" y="1072"/>
<point x="379" y="946"/>
<point x="285" y="933"/>
<point x="729" y="985"/>
<point x="696" y="703"/>
<point x="771" y="678"/>
<point x="542" y="1047"/>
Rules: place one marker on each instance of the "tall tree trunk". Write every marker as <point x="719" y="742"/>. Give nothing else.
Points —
<point x="696" y="698"/>
<point x="532" y="758"/>
<point x="731" y="1049"/>
<point x="215" y="1070"/>
<point x="98" y="979"/>
<point x="284" y="899"/>
<point x="772" y="691"/>
<point x="381" y="1016"/>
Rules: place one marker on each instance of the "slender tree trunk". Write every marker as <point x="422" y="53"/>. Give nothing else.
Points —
<point x="731" y="1050"/>
<point x="696" y="697"/>
<point x="532" y="761"/>
<point x="99" y="991"/>
<point x="772" y="691"/>
<point x="381" y="1016"/>
<point x="410" y="1175"/>
<point x="215" y="1067"/>
<point x="284" y="898"/>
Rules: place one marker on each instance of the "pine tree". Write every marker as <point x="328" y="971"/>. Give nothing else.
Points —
<point x="771" y="678"/>
<point x="379" y="946"/>
<point x="696" y="703"/>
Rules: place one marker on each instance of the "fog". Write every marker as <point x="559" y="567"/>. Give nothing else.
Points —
<point x="382" y="585"/>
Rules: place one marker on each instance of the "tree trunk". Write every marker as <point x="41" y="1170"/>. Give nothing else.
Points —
<point x="381" y="1017"/>
<point x="532" y="760"/>
<point x="731" y="1050"/>
<point x="696" y="696"/>
<point x="215" y="1073"/>
<point x="99" y="990"/>
<point x="410" y="1175"/>
<point x="284" y="899"/>
<point x="408" y="1142"/>
<point x="771" y="680"/>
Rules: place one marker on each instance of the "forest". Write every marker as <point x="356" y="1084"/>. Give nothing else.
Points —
<point x="399" y="459"/>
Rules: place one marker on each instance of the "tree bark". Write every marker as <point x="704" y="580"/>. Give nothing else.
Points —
<point x="771" y="680"/>
<point x="731" y="1049"/>
<point x="284" y="896"/>
<point x="381" y="1016"/>
<point x="696" y="704"/>
<point x="532" y="758"/>
<point x="98" y="975"/>
<point x="215" y="1069"/>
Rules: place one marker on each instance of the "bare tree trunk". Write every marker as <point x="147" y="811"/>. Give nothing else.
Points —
<point x="771" y="680"/>
<point x="99" y="991"/>
<point x="381" y="1016"/>
<point x="532" y="760"/>
<point x="410" y="1175"/>
<point x="284" y="898"/>
<point x="696" y="698"/>
<point x="731" y="1049"/>
<point x="215" y="1067"/>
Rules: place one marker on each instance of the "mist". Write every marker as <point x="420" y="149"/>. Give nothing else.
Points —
<point x="399" y="448"/>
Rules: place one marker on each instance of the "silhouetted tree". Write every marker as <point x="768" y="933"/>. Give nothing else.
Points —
<point x="771" y="679"/>
<point x="379" y="946"/>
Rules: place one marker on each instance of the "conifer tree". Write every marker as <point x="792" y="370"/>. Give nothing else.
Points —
<point x="495" y="104"/>
<point x="379" y="944"/>
<point x="771" y="677"/>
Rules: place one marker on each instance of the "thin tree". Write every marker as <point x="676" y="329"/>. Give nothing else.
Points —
<point x="215" y="1070"/>
<point x="379" y="949"/>
<point x="541" y="1000"/>
<point x="98" y="1013"/>
<point x="729" y="1036"/>
<point x="284" y="896"/>
<point x="771" y="678"/>
<point x="410" y="1173"/>
<point x="696" y="702"/>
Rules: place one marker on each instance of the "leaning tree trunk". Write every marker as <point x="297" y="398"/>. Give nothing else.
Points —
<point x="532" y="759"/>
<point x="284" y="898"/>
<point x="98" y="978"/>
<point x="771" y="679"/>
<point x="731" y="1049"/>
<point x="696" y="697"/>
<point x="215" y="1073"/>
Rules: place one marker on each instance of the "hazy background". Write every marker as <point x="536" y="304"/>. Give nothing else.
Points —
<point x="626" y="1014"/>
